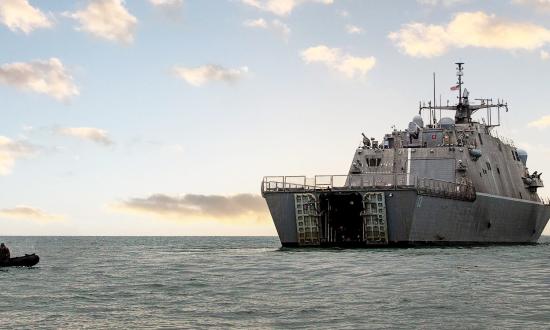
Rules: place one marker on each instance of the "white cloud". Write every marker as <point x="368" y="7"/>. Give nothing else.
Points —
<point x="201" y="75"/>
<point x="169" y="4"/>
<point x="41" y="76"/>
<point x="274" y="25"/>
<point x="541" y="5"/>
<point x="544" y="55"/>
<point x="107" y="19"/>
<point x="281" y="28"/>
<point x="343" y="13"/>
<point x="281" y="7"/>
<point x="170" y="8"/>
<point x="352" y="29"/>
<point x="21" y="15"/>
<point x="233" y="208"/>
<point x="446" y="3"/>
<point x="334" y="58"/>
<point x="469" y="29"/>
<point x="10" y="151"/>
<point x="87" y="133"/>
<point x="26" y="212"/>
<point x="542" y="122"/>
<point x="259" y="23"/>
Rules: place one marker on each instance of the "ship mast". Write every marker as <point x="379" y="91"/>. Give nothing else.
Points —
<point x="464" y="110"/>
<point x="463" y="114"/>
<point x="459" y="74"/>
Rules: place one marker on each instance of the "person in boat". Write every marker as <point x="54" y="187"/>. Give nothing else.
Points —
<point x="4" y="253"/>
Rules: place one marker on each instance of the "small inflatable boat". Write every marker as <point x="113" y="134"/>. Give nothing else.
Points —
<point x="28" y="260"/>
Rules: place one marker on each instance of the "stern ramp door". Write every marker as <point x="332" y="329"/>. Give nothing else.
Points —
<point x="375" y="228"/>
<point x="307" y="219"/>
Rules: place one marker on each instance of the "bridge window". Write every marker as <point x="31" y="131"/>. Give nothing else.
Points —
<point x="374" y="161"/>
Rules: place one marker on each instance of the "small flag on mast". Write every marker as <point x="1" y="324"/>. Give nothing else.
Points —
<point x="455" y="88"/>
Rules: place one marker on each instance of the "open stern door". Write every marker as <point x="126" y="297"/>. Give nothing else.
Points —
<point x="375" y="227"/>
<point x="307" y="219"/>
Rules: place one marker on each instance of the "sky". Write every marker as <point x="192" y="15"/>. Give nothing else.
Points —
<point x="160" y="117"/>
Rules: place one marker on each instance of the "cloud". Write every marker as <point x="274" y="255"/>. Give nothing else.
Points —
<point x="201" y="75"/>
<point x="280" y="27"/>
<point x="446" y="3"/>
<point x="256" y="23"/>
<point x="542" y="122"/>
<point x="352" y="29"/>
<point x="20" y="15"/>
<point x="469" y="29"/>
<point x="10" y="151"/>
<point x="350" y="66"/>
<point x="170" y="8"/>
<point x="281" y="7"/>
<point x="273" y="25"/>
<point x="96" y="135"/>
<point x="544" y="55"/>
<point x="29" y="213"/>
<point x="343" y="13"/>
<point x="191" y="206"/>
<point x="107" y="19"/>
<point x="540" y="5"/>
<point x="41" y="76"/>
<point x="167" y="4"/>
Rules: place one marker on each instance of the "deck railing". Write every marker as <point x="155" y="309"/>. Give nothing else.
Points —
<point x="445" y="189"/>
<point x="545" y="200"/>
<point x="369" y="181"/>
<point x="329" y="182"/>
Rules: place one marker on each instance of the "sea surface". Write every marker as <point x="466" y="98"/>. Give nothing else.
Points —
<point x="250" y="282"/>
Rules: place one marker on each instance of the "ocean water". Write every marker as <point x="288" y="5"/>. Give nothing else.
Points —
<point x="249" y="282"/>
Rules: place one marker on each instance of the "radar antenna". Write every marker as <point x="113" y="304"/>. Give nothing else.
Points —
<point x="464" y="110"/>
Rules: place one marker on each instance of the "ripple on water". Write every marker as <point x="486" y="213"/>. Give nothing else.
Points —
<point x="97" y="282"/>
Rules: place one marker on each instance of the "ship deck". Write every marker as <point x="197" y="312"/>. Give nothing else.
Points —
<point x="367" y="182"/>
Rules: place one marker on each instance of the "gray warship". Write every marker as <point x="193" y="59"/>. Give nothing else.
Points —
<point x="452" y="181"/>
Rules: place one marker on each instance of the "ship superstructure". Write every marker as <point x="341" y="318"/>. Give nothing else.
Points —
<point x="450" y="181"/>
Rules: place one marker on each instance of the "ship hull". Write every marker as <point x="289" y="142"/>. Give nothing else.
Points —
<point x="413" y="219"/>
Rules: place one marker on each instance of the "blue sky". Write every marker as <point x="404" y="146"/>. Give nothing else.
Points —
<point x="160" y="117"/>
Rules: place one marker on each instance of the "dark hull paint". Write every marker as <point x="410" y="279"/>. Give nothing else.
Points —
<point x="28" y="260"/>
